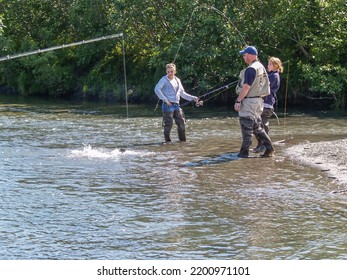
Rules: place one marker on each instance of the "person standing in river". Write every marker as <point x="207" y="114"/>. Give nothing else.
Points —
<point x="253" y="86"/>
<point x="169" y="89"/>
<point x="274" y="68"/>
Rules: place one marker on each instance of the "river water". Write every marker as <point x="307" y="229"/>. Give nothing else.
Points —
<point x="81" y="181"/>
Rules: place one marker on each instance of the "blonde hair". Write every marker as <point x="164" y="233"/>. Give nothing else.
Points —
<point x="171" y="65"/>
<point x="277" y="63"/>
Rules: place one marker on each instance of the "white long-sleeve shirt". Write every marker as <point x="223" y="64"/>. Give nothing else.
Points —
<point x="166" y="91"/>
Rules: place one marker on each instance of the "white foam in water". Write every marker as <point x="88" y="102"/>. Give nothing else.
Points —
<point x="90" y="152"/>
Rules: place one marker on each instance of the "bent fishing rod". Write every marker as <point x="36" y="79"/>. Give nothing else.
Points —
<point x="221" y="89"/>
<point x="9" y="57"/>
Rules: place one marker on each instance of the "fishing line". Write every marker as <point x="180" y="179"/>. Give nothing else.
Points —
<point x="285" y="109"/>
<point x="210" y="8"/>
<point x="285" y="104"/>
<point x="219" y="90"/>
<point x="184" y="34"/>
<point x="213" y="96"/>
<point x="229" y="20"/>
<point x="108" y="37"/>
<point x="243" y="42"/>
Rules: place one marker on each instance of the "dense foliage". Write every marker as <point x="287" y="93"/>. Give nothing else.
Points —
<point x="202" y="37"/>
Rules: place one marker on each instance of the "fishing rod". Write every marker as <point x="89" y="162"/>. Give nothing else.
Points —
<point x="107" y="37"/>
<point x="9" y="57"/>
<point x="201" y="103"/>
<point x="209" y="8"/>
<point x="220" y="89"/>
<point x="243" y="41"/>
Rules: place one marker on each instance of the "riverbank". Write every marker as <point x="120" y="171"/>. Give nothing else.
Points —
<point x="330" y="157"/>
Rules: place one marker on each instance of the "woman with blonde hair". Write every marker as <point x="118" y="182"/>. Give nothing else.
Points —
<point x="274" y="69"/>
<point x="169" y="89"/>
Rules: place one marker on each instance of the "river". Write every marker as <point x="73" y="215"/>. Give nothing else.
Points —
<point x="83" y="181"/>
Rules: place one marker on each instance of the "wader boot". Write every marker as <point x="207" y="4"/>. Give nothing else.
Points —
<point x="268" y="153"/>
<point x="264" y="137"/>
<point x="244" y="153"/>
<point x="260" y="147"/>
<point x="181" y="135"/>
<point x="167" y="138"/>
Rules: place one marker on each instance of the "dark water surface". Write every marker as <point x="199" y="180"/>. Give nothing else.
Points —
<point x="85" y="182"/>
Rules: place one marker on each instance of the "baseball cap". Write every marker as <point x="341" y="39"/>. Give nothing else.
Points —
<point x="250" y="50"/>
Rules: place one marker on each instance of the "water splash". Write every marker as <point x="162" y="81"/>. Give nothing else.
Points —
<point x="101" y="153"/>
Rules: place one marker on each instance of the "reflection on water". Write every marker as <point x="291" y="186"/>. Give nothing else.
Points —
<point x="81" y="183"/>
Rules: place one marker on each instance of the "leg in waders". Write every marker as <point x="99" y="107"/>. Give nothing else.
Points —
<point x="246" y="124"/>
<point x="180" y="121"/>
<point x="167" y="124"/>
<point x="261" y="134"/>
<point x="265" y="116"/>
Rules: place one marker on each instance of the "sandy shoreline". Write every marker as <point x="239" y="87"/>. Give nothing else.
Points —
<point x="330" y="157"/>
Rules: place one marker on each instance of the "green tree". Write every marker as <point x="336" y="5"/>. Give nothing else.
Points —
<point x="202" y="37"/>
<point x="326" y="70"/>
<point x="31" y="25"/>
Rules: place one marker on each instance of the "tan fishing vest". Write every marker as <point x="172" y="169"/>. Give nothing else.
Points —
<point x="261" y="84"/>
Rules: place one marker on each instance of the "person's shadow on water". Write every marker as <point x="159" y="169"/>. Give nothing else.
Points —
<point x="215" y="159"/>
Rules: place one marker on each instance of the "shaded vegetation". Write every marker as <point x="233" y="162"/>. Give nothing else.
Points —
<point x="309" y="36"/>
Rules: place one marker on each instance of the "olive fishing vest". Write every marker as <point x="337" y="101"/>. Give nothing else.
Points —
<point x="261" y="84"/>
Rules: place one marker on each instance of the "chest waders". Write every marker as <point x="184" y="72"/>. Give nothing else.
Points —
<point x="250" y="110"/>
<point x="174" y="112"/>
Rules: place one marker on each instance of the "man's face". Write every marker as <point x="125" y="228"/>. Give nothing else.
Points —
<point x="248" y="58"/>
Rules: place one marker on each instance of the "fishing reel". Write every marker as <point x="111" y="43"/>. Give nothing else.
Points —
<point x="199" y="103"/>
